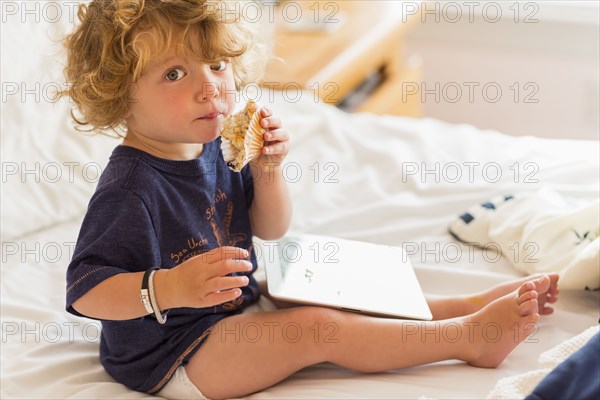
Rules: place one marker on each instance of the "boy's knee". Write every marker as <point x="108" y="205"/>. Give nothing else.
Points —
<point x="314" y="316"/>
<point x="318" y="326"/>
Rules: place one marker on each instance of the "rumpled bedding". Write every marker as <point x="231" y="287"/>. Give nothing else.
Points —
<point x="539" y="231"/>
<point x="567" y="371"/>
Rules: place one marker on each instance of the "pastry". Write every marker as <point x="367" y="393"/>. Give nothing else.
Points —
<point x="242" y="137"/>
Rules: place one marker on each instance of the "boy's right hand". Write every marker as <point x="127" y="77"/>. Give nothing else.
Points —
<point x="202" y="280"/>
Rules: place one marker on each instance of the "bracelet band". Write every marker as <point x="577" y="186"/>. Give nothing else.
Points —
<point x="161" y="318"/>
<point x="145" y="292"/>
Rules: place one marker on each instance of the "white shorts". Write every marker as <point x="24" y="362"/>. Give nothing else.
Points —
<point x="181" y="387"/>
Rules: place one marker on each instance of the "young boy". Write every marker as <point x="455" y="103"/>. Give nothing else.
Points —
<point x="164" y="257"/>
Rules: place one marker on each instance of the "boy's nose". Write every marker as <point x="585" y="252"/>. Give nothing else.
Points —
<point x="209" y="90"/>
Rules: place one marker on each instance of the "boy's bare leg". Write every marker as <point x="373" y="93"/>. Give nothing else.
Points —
<point x="280" y="304"/>
<point x="250" y="352"/>
<point x="445" y="307"/>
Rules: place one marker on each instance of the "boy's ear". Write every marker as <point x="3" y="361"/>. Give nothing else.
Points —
<point x="131" y="89"/>
<point x="127" y="113"/>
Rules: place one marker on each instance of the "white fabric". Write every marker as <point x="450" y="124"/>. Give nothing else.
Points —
<point x="354" y="176"/>
<point x="558" y="354"/>
<point x="181" y="387"/>
<point x="48" y="353"/>
<point x="43" y="157"/>
<point x="541" y="232"/>
<point x="519" y="386"/>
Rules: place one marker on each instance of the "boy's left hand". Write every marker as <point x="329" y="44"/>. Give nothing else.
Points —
<point x="276" y="139"/>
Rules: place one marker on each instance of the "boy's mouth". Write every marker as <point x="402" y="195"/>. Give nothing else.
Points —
<point x="210" y="116"/>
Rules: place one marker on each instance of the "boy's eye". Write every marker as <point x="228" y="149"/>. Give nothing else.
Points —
<point x="175" y="74"/>
<point x="221" y="66"/>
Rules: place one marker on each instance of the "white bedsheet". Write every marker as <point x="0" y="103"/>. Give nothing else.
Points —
<point x="362" y="177"/>
<point x="51" y="354"/>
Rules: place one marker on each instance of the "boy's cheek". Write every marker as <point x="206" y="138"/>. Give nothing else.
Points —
<point x="230" y="103"/>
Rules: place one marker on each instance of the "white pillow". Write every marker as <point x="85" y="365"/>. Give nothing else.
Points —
<point x="49" y="170"/>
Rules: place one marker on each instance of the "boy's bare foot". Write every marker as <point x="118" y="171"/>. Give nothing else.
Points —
<point x="549" y="296"/>
<point x="504" y="323"/>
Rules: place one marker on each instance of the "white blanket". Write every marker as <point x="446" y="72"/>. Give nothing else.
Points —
<point x="518" y="387"/>
<point x="539" y="232"/>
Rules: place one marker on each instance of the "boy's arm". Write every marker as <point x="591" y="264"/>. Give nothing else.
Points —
<point x="118" y="297"/>
<point x="199" y="282"/>
<point x="271" y="209"/>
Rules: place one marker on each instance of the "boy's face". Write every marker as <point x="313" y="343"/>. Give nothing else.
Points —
<point x="180" y="104"/>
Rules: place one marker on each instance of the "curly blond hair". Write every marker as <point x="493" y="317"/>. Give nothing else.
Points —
<point x="106" y="56"/>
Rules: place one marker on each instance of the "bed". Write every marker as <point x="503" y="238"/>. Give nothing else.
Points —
<point x="381" y="179"/>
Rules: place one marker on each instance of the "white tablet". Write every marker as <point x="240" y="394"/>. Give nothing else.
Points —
<point x="349" y="275"/>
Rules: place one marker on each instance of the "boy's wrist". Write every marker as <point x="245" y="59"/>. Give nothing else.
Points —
<point x="164" y="289"/>
<point x="266" y="171"/>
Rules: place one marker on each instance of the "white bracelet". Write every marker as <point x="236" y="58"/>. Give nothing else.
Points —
<point x="144" y="293"/>
<point x="161" y="318"/>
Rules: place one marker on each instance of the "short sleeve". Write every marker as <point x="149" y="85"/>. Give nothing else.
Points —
<point x="117" y="236"/>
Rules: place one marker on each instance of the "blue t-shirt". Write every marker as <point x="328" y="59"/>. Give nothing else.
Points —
<point x="147" y="212"/>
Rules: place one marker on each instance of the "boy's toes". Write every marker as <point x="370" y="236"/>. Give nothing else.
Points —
<point x="527" y="295"/>
<point x="551" y="298"/>
<point x="528" y="299"/>
<point x="533" y="318"/>
<point x="526" y="287"/>
<point x="529" y="306"/>
<point x="546" y="310"/>
<point x="541" y="284"/>
<point x="553" y="279"/>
